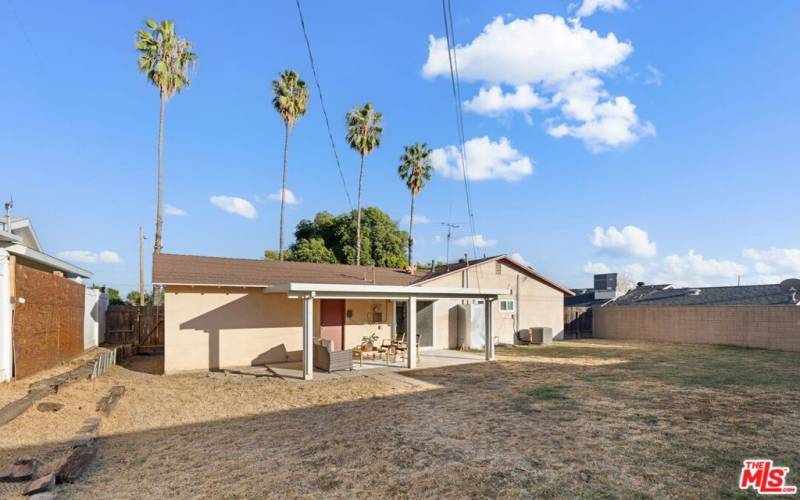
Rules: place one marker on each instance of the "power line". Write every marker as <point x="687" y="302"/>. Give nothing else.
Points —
<point x="322" y="103"/>
<point x="456" y="87"/>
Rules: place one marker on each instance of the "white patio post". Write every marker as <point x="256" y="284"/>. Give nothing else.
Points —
<point x="411" y="332"/>
<point x="308" y="337"/>
<point x="489" y="345"/>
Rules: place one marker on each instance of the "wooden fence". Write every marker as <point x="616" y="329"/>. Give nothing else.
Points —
<point x="142" y="327"/>
<point x="577" y="322"/>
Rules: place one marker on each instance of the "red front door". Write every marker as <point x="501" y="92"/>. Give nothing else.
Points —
<point x="331" y="322"/>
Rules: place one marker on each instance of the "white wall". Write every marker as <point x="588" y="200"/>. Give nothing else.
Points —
<point x="6" y="354"/>
<point x="94" y="318"/>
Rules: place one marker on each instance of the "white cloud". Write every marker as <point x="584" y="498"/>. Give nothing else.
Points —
<point x="774" y="265"/>
<point x="631" y="240"/>
<point x="418" y="219"/>
<point x="596" y="268"/>
<point x="589" y="7"/>
<point x="547" y="55"/>
<point x="494" y="102"/>
<point x="173" y="210"/>
<point x="479" y="240"/>
<point x="234" y="205"/>
<point x="692" y="269"/>
<point x="291" y="199"/>
<point x="485" y="160"/>
<point x="437" y="238"/>
<point x="654" y="76"/>
<point x="89" y="257"/>
<point x="544" y="49"/>
<point x="611" y="124"/>
<point x="519" y="258"/>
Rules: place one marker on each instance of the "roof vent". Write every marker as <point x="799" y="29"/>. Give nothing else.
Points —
<point x="693" y="291"/>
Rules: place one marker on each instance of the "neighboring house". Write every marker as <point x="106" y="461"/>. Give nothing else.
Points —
<point x="764" y="316"/>
<point x="222" y="312"/>
<point x="666" y="295"/>
<point x="42" y="303"/>
<point x="578" y="308"/>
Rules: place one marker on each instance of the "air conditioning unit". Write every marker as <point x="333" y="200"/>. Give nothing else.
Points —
<point x="537" y="335"/>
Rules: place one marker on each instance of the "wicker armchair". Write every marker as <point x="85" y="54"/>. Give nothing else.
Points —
<point x="325" y="358"/>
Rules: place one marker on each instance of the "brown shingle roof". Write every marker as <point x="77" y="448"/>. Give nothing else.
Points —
<point x="197" y="270"/>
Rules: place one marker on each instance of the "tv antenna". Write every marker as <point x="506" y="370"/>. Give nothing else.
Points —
<point x="450" y="226"/>
<point x="9" y="205"/>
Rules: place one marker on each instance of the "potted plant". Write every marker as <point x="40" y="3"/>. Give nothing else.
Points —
<point x="369" y="341"/>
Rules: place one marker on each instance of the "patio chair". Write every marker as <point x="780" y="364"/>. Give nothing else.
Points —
<point x="325" y="358"/>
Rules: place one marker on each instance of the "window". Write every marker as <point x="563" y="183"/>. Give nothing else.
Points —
<point x="507" y="306"/>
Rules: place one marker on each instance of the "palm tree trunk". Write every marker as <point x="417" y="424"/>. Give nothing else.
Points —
<point x="160" y="190"/>
<point x="410" y="229"/>
<point x="283" y="187"/>
<point x="358" y="215"/>
<point x="157" y="246"/>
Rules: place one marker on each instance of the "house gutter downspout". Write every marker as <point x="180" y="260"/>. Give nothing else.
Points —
<point x="6" y="352"/>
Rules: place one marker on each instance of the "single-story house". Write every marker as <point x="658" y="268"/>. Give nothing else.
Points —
<point x="44" y="296"/>
<point x="224" y="312"/>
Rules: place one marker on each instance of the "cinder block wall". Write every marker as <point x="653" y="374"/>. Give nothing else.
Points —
<point x="767" y="327"/>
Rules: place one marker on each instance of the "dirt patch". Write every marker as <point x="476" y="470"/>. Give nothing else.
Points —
<point x="661" y="421"/>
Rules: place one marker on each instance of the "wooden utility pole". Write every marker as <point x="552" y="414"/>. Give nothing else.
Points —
<point x="141" y="266"/>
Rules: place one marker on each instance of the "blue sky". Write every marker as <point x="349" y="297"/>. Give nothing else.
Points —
<point x="654" y="138"/>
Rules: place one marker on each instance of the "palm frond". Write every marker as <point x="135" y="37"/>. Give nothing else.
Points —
<point x="164" y="57"/>
<point x="290" y="96"/>
<point x="415" y="166"/>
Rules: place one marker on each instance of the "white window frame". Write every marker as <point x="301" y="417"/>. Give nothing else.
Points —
<point x="506" y="301"/>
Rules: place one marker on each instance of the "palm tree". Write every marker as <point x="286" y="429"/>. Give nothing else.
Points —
<point x="364" y="132"/>
<point x="291" y="102"/>
<point x="166" y="59"/>
<point x="415" y="168"/>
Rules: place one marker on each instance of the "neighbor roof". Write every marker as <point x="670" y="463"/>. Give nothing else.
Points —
<point x="707" y="296"/>
<point x="196" y="270"/>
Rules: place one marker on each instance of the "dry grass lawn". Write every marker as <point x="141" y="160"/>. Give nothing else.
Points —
<point x="591" y="419"/>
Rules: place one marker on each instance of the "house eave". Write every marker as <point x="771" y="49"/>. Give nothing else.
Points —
<point x="383" y="292"/>
<point x="48" y="260"/>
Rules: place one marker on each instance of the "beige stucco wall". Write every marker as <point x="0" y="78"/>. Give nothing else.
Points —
<point x="359" y="321"/>
<point x="540" y="305"/>
<point x="209" y="328"/>
<point x="767" y="327"/>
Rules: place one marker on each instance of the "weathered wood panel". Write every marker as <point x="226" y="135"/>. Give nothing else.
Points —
<point x="48" y="326"/>
<point x="142" y="327"/>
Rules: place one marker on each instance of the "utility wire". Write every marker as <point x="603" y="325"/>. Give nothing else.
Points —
<point x="322" y="104"/>
<point x="456" y="87"/>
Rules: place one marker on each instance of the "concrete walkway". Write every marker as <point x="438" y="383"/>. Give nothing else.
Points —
<point x="429" y="358"/>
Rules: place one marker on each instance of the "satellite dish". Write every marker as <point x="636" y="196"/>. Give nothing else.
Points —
<point x="790" y="285"/>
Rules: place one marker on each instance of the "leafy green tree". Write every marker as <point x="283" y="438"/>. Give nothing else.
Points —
<point x="133" y="298"/>
<point x="383" y="242"/>
<point x="415" y="168"/>
<point x="364" y="133"/>
<point x="290" y="101"/>
<point x="114" y="297"/>
<point x="166" y="59"/>
<point x="313" y="250"/>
